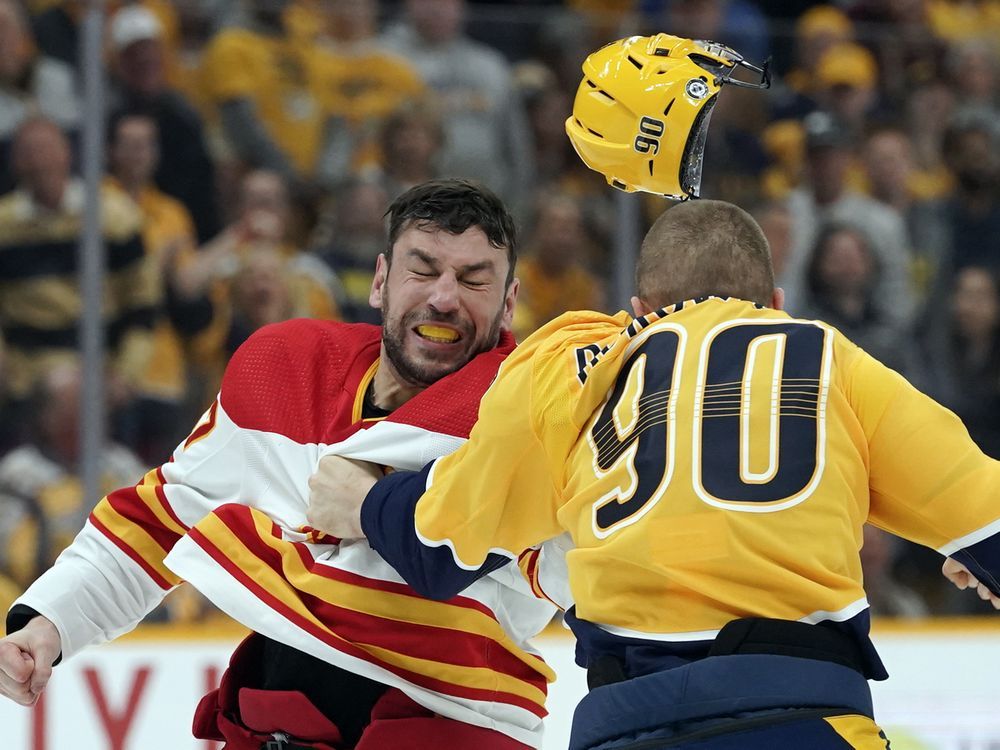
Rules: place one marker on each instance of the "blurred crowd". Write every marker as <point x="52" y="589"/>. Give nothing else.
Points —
<point x="252" y="147"/>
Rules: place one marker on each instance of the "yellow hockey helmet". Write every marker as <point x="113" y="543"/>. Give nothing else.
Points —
<point x="641" y="113"/>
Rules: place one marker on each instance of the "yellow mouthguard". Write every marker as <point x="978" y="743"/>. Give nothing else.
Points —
<point x="436" y="333"/>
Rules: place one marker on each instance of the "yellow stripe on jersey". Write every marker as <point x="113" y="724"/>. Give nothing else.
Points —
<point x="295" y="579"/>
<point x="136" y="538"/>
<point x="403" y="608"/>
<point x="359" y="398"/>
<point x="479" y="678"/>
<point x="215" y="530"/>
<point x="146" y="490"/>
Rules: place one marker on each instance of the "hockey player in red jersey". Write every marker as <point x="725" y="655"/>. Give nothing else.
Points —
<point x="343" y="654"/>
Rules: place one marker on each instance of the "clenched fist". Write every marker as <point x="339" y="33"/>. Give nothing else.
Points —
<point x="26" y="659"/>
<point x="336" y="492"/>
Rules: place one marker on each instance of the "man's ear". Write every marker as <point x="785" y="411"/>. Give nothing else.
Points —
<point x="509" y="302"/>
<point x="375" y="297"/>
<point x="640" y="308"/>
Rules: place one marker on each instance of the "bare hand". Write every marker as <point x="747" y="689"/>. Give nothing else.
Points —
<point x="959" y="575"/>
<point x="336" y="492"/>
<point x="26" y="660"/>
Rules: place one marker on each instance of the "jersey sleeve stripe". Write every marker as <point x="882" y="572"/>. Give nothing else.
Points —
<point x="127" y="515"/>
<point x="528" y="562"/>
<point x="156" y="571"/>
<point x="390" y="587"/>
<point x="163" y="510"/>
<point x="203" y="429"/>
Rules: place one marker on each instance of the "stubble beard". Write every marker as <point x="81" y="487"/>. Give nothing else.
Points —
<point x="414" y="373"/>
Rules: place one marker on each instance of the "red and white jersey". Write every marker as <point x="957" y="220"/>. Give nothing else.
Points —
<point x="227" y="513"/>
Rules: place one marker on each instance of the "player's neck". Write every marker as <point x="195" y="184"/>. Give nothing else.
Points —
<point x="389" y="391"/>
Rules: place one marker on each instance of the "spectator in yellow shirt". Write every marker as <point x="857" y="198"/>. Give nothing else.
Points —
<point x="266" y="86"/>
<point x="363" y="82"/>
<point x="40" y="299"/>
<point x="140" y="86"/>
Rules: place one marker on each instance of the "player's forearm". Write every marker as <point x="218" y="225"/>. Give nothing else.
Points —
<point x="93" y="593"/>
<point x="387" y="518"/>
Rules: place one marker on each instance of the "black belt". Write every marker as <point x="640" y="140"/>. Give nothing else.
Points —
<point x="759" y="635"/>
<point x="756" y="635"/>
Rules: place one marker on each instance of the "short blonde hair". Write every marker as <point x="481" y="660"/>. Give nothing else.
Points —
<point x="700" y="248"/>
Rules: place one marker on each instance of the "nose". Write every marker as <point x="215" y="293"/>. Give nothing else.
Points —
<point x="444" y="297"/>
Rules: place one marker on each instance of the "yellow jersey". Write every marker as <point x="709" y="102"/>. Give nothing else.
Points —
<point x="711" y="461"/>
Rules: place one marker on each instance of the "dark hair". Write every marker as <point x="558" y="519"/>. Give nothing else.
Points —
<point x="454" y="206"/>
<point x="814" y="282"/>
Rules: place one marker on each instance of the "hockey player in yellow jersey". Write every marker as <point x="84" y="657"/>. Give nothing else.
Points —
<point x="714" y="461"/>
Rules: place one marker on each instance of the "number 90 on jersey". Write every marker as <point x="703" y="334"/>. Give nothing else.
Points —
<point x="748" y="409"/>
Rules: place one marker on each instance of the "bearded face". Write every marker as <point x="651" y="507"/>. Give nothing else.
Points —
<point x="444" y="299"/>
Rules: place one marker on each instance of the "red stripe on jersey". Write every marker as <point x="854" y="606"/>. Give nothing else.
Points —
<point x="392" y="587"/>
<point x="127" y="504"/>
<point x="421" y="641"/>
<point x="159" y="580"/>
<point x="164" y="503"/>
<point x="203" y="428"/>
<point x="529" y="559"/>
<point x="350" y="649"/>
<point x="434" y="642"/>
<point x="239" y="518"/>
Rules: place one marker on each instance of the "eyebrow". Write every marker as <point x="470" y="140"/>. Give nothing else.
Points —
<point x="486" y="265"/>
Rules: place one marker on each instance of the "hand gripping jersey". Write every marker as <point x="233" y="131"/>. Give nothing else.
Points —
<point x="711" y="461"/>
<point x="227" y="514"/>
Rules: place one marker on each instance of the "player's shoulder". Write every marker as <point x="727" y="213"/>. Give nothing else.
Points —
<point x="845" y="356"/>
<point x="550" y="359"/>
<point x="288" y="368"/>
<point x="571" y="329"/>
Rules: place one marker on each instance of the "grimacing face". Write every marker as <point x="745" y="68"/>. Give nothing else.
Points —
<point x="443" y="298"/>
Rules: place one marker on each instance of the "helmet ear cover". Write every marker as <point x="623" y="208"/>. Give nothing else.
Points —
<point x="642" y="110"/>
